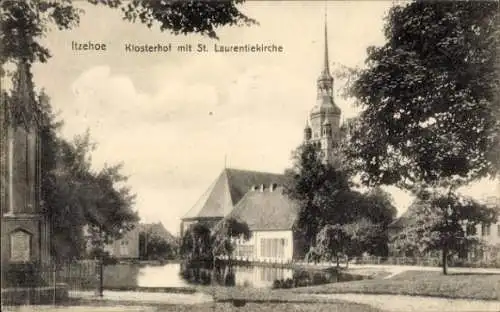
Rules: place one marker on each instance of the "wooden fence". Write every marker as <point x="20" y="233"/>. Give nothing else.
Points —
<point x="50" y="283"/>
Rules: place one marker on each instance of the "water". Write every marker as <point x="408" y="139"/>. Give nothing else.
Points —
<point x="174" y="275"/>
<point x="135" y="275"/>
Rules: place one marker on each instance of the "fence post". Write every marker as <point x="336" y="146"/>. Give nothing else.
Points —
<point x="99" y="278"/>
<point x="54" y="282"/>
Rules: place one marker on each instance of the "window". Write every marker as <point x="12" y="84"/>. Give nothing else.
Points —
<point x="273" y="247"/>
<point x="485" y="230"/>
<point x="124" y="247"/>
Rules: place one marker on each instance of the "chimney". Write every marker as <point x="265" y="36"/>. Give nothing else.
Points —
<point x="262" y="187"/>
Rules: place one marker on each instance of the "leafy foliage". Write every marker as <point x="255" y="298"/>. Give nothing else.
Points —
<point x="197" y="243"/>
<point x="318" y="188"/>
<point x="430" y="96"/>
<point x="154" y="247"/>
<point x="364" y="236"/>
<point x="430" y="121"/>
<point x="331" y="242"/>
<point x="24" y="23"/>
<point x="76" y="196"/>
<point x="328" y="204"/>
<point x="224" y="234"/>
<point x="202" y="243"/>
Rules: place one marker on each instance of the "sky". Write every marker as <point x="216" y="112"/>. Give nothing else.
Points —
<point x="175" y="119"/>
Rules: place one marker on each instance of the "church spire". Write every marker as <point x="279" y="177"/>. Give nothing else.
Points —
<point x="326" y="66"/>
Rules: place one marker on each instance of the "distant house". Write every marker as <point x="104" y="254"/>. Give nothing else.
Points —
<point x="157" y="229"/>
<point x="489" y="234"/>
<point x="224" y="194"/>
<point x="129" y="246"/>
<point x="126" y="247"/>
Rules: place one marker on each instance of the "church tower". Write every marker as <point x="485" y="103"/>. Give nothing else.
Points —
<point x="323" y="126"/>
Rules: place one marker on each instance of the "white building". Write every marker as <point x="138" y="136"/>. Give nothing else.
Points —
<point x="270" y="216"/>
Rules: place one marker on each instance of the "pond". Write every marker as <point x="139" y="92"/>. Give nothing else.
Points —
<point x="175" y="275"/>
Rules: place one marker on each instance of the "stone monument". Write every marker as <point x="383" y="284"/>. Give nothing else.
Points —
<point x="25" y="229"/>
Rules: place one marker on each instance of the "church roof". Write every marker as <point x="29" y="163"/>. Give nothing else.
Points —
<point x="227" y="190"/>
<point x="266" y="210"/>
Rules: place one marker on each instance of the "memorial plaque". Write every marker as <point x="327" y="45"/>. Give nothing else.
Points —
<point x="20" y="246"/>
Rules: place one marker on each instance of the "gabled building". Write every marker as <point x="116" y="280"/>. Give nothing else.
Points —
<point x="224" y="194"/>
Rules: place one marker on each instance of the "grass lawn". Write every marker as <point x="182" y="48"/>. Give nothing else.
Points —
<point x="272" y="307"/>
<point x="419" y="283"/>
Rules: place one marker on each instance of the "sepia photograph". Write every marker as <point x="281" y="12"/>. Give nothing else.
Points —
<point x="250" y="155"/>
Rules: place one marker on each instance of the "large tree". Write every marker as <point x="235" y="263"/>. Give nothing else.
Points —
<point x="24" y="23"/>
<point x="430" y="100"/>
<point x="321" y="191"/>
<point x="75" y="196"/>
<point x="430" y="96"/>
<point x="328" y="202"/>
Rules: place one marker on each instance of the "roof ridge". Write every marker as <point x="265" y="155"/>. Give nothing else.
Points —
<point x="252" y="171"/>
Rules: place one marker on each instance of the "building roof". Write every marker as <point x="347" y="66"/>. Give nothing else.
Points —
<point x="157" y="229"/>
<point x="266" y="210"/>
<point x="227" y="190"/>
<point x="406" y="219"/>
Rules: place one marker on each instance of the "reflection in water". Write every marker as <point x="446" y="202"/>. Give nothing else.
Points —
<point x="135" y="275"/>
<point x="257" y="276"/>
<point x="120" y="275"/>
<point x="177" y="275"/>
<point x="161" y="276"/>
<point x="260" y="276"/>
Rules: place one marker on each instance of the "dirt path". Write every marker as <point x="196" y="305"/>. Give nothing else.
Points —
<point x="393" y="270"/>
<point x="117" y="308"/>
<point x="395" y="303"/>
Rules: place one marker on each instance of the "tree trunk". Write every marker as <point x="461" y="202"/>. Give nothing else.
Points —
<point x="338" y="261"/>
<point x="445" y="261"/>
